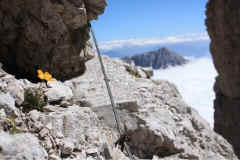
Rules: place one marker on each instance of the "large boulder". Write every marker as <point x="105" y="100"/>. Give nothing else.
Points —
<point x="223" y="25"/>
<point x="52" y="35"/>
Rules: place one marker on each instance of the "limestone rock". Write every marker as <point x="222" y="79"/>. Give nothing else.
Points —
<point x="76" y="130"/>
<point x="16" y="91"/>
<point x="58" y="92"/>
<point x="8" y="84"/>
<point x="21" y="146"/>
<point x="2" y="113"/>
<point x="137" y="71"/>
<point x="154" y="115"/>
<point x="34" y="115"/>
<point x="67" y="147"/>
<point x="223" y="25"/>
<point x="8" y="104"/>
<point x="52" y="35"/>
<point x="141" y="73"/>
<point x="159" y="123"/>
<point x="148" y="71"/>
<point x="61" y="133"/>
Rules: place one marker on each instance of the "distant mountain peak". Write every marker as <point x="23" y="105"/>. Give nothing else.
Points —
<point x="157" y="59"/>
<point x="163" y="49"/>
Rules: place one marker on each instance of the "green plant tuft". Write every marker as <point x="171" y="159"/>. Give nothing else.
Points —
<point x="13" y="129"/>
<point x="134" y="73"/>
<point x="34" y="98"/>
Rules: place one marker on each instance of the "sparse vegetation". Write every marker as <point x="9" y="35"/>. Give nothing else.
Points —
<point x="13" y="126"/>
<point x="135" y="73"/>
<point x="9" y="124"/>
<point x="34" y="98"/>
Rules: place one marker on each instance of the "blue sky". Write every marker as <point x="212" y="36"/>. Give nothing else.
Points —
<point x="126" y="19"/>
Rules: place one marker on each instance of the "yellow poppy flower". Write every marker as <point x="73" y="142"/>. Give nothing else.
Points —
<point x="40" y="71"/>
<point x="44" y="76"/>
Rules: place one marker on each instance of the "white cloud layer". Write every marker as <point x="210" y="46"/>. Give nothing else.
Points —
<point x="108" y="45"/>
<point x="195" y="82"/>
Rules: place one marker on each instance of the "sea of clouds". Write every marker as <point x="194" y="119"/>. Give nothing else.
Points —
<point x="195" y="82"/>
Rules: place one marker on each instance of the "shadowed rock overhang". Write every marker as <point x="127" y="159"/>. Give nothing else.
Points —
<point x="52" y="35"/>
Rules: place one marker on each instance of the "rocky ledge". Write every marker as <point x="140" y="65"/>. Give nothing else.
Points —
<point x="76" y="121"/>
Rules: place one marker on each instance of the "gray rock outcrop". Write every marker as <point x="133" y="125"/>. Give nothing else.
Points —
<point x="223" y="28"/>
<point x="137" y="71"/>
<point x="21" y="146"/>
<point x="159" y="59"/>
<point x="153" y="113"/>
<point x="51" y="35"/>
<point x="62" y="130"/>
<point x="78" y="124"/>
<point x="58" y="92"/>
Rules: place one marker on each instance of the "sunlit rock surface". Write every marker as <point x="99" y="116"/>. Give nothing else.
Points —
<point x="153" y="113"/>
<point x="79" y="123"/>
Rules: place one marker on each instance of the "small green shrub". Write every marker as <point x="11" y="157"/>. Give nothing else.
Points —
<point x="9" y="124"/>
<point x="13" y="129"/>
<point x="134" y="73"/>
<point x="34" y="98"/>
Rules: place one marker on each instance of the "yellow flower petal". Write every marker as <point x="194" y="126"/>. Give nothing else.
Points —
<point x="40" y="74"/>
<point x="39" y="71"/>
<point x="47" y="76"/>
<point x="44" y="76"/>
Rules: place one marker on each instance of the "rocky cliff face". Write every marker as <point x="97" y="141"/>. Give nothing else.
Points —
<point x="161" y="58"/>
<point x="77" y="121"/>
<point x="52" y="35"/>
<point x="223" y="25"/>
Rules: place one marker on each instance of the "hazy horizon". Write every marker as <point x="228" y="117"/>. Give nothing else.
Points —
<point x="190" y="48"/>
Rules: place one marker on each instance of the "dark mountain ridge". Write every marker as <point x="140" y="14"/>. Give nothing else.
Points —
<point x="159" y="59"/>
